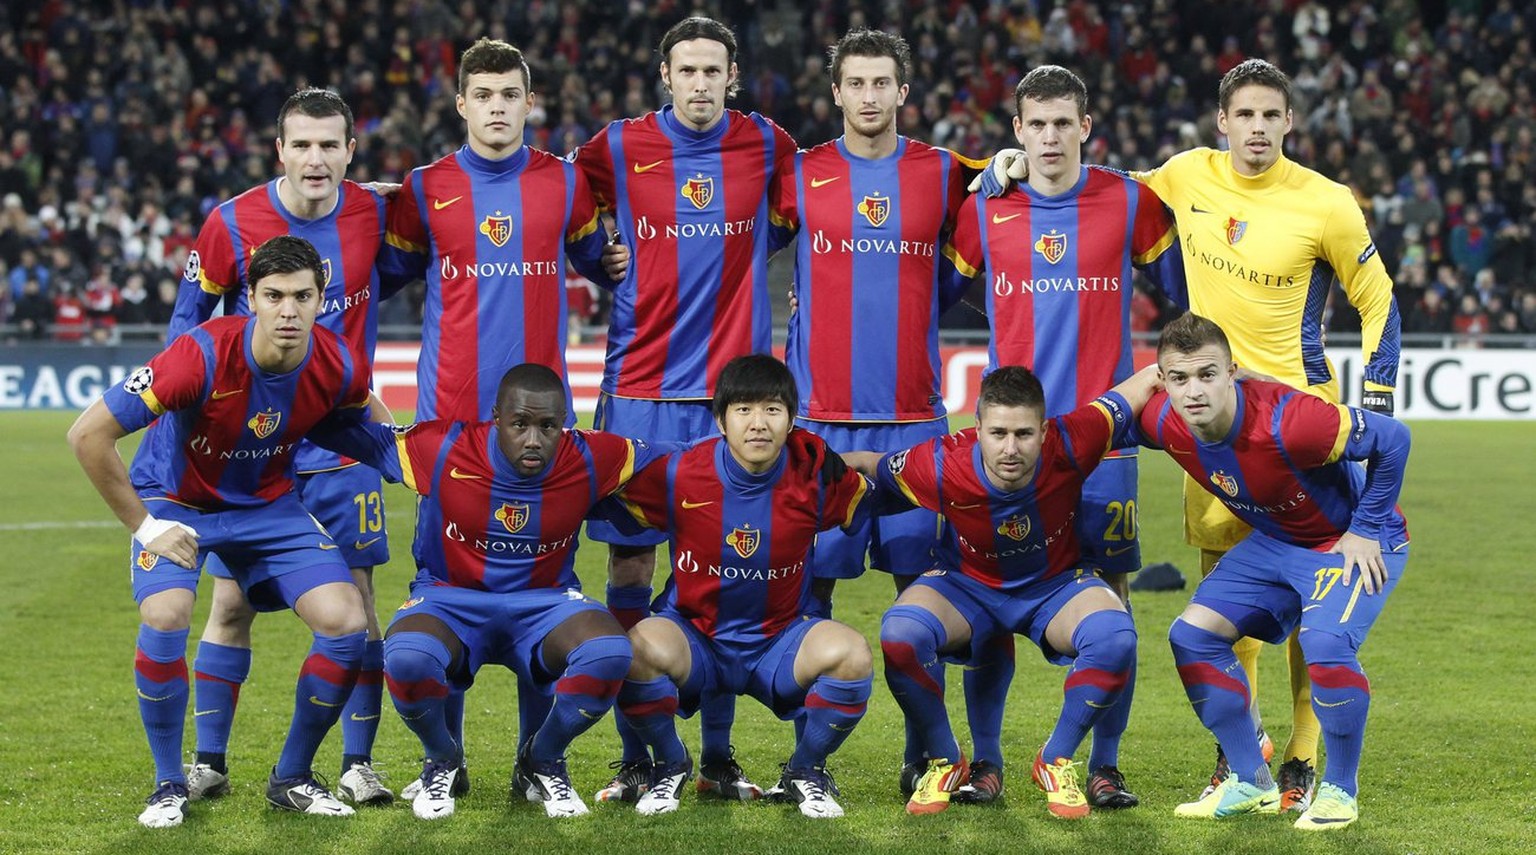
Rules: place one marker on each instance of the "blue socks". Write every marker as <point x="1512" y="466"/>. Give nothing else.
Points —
<point x="416" y="670"/>
<point x="220" y="671"/>
<point x="832" y="709"/>
<point x="594" y="671"/>
<point x="160" y="676"/>
<point x="986" y="682"/>
<point x="325" y="681"/>
<point x="360" y="715"/>
<point x="1218" y="690"/>
<point x="1106" y="650"/>
<point x="910" y="638"/>
<point x="1341" y="697"/>
<point x="650" y="708"/>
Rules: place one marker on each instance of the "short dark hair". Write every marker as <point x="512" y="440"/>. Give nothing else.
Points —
<point x="872" y="43"/>
<point x="530" y="377"/>
<point x="1049" y="83"/>
<point x="1010" y="386"/>
<point x="492" y="56"/>
<point x="316" y="104"/>
<point x="699" y="27"/>
<point x="1189" y="332"/>
<point x="752" y="379"/>
<point x="1253" y="72"/>
<point x="284" y="254"/>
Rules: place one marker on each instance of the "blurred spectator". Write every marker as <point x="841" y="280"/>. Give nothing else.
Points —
<point x="1430" y="315"/>
<point x="1470" y="317"/>
<point x="1471" y="245"/>
<point x="33" y="312"/>
<point x="136" y="305"/>
<point x="68" y="316"/>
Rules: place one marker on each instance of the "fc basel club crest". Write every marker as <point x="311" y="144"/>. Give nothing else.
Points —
<point x="1226" y="482"/>
<point x="1052" y="246"/>
<point x="264" y="423"/>
<point x="326" y="267"/>
<point x="875" y="209"/>
<point x="1014" y="528"/>
<point x="514" y="517"/>
<point x="147" y="560"/>
<point x="497" y="228"/>
<point x="699" y="190"/>
<point x="1235" y="229"/>
<point x="744" y="540"/>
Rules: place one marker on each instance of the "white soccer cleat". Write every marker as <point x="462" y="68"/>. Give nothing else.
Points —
<point x="361" y="785"/>
<point x="433" y="799"/>
<point x="304" y="794"/>
<point x="165" y="808"/>
<point x="812" y="791"/>
<point x="550" y="785"/>
<point x="666" y="788"/>
<point x="205" y="782"/>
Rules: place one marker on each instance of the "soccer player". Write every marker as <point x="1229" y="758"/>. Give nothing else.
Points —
<point x="345" y="223"/>
<point x="1011" y="489"/>
<point x="1264" y="238"/>
<point x="741" y="511"/>
<point x="688" y="185"/>
<point x="226" y="405"/>
<point x="1327" y="547"/>
<point x="1057" y="252"/>
<point x="502" y="504"/>
<point x="490" y="227"/>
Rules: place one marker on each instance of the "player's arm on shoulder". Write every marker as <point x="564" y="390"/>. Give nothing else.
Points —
<point x="1348" y="248"/>
<point x="1123" y="406"/>
<point x="594" y="158"/>
<point x="784" y="205"/>
<point x="402" y="256"/>
<point x="207" y="277"/>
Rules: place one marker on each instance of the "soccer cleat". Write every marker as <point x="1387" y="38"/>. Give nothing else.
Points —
<point x="1063" y="798"/>
<point x="937" y="784"/>
<point x="630" y="781"/>
<point x="726" y="780"/>
<point x="361" y="785"/>
<point x="460" y="783"/>
<point x="304" y="794"/>
<point x="812" y="789"/>
<point x="205" y="782"/>
<point x="1106" y="789"/>
<point x="911" y="773"/>
<point x="548" y="784"/>
<point x="1297" y="781"/>
<point x="166" y="807"/>
<point x="666" y="788"/>
<point x="1266" y="745"/>
<point x="1231" y="798"/>
<point x="985" y="786"/>
<point x="1333" y="808"/>
<point x="435" y="790"/>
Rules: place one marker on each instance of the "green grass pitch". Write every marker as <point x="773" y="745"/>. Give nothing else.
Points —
<point x="1446" y="769"/>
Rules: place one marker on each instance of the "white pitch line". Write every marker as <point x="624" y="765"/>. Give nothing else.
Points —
<point x="44" y="526"/>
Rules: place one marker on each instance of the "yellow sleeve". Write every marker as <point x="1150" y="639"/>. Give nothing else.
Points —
<point x="1348" y="249"/>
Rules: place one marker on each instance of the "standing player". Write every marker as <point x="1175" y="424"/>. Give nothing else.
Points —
<point x="226" y="405"/>
<point x="742" y="510"/>
<point x="1057" y="253"/>
<point x="502" y="504"/>
<point x="688" y="185"/>
<point x="490" y="228"/>
<point x="1011" y="488"/>
<point x="1282" y="461"/>
<point x="345" y="223"/>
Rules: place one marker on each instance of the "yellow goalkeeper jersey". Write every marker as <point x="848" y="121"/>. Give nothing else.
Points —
<point x="1261" y="255"/>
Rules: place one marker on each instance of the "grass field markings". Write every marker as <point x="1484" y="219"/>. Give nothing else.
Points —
<point x="48" y="525"/>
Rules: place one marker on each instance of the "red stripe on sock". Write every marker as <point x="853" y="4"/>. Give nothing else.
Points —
<point x="370" y="676"/>
<point x="159" y="672"/>
<point x="815" y="701"/>
<point x="204" y="675"/>
<point x="1338" y="677"/>
<point x="415" y="690"/>
<point x="1104" y="681"/>
<point x="664" y="706"/>
<point x="1203" y="673"/>
<point x="322" y="666"/>
<point x="901" y="655"/>
<point x="585" y="684"/>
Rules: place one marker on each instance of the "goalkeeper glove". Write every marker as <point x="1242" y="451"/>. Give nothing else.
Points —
<point x="1378" y="401"/>
<point x="1007" y="166"/>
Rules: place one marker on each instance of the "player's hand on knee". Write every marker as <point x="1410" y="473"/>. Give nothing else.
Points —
<point x="1364" y="553"/>
<point x="169" y="539"/>
<point x="1007" y="166"/>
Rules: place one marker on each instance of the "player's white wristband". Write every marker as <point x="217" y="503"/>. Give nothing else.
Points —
<point x="152" y="528"/>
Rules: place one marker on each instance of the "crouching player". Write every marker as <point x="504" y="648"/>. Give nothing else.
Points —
<point x="496" y="535"/>
<point x="1328" y="546"/>
<point x="742" y="511"/>
<point x="1010" y="488"/>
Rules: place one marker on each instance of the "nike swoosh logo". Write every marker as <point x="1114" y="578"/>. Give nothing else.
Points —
<point x="219" y="396"/>
<point x="201" y="713"/>
<point x="688" y="506"/>
<point x="456" y="475"/>
<point x="587" y="715"/>
<point x="818" y="182"/>
<point x="1098" y="706"/>
<point x="648" y="167"/>
<point x="356" y="717"/>
<point x="1121" y="551"/>
<point x="1331" y="706"/>
<point x="1198" y="701"/>
<point x="997" y="220"/>
<point x="329" y="546"/>
<point x="319" y="703"/>
<point x="439" y="204"/>
<point x="364" y="544"/>
<point x="154" y="699"/>
<point x="959" y="507"/>
<point x="1194" y="210"/>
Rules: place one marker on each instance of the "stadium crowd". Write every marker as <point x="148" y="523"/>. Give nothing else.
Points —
<point x="126" y="122"/>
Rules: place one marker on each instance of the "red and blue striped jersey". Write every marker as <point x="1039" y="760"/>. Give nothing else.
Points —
<point x="1058" y="271"/>
<point x="693" y="209"/>
<point x="1286" y="466"/>
<point x="229" y="429"/>
<point x="348" y="240"/>
<point x="481" y="524"/>
<point x="870" y="280"/>
<point x="1010" y="540"/>
<point x="739" y="541"/>
<point x="491" y="239"/>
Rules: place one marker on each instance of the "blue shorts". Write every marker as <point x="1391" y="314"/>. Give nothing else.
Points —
<point x="991" y="612"/>
<point x="1107" y="517"/>
<point x="733" y="668"/>
<point x="349" y="504"/>
<point x="500" y="628"/>
<point x="276" y="553"/>
<point x="901" y="544"/>
<point x="652" y="421"/>
<point x="1267" y="588"/>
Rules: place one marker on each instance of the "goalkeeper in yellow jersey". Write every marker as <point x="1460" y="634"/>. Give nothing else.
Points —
<point x="1264" y="239"/>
